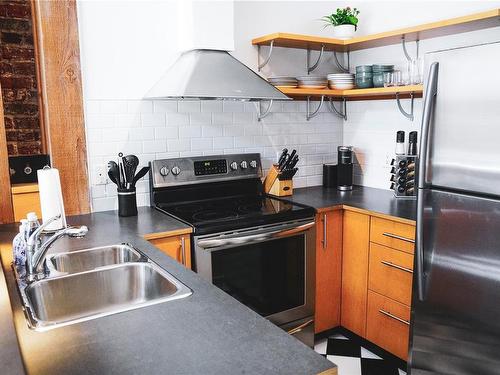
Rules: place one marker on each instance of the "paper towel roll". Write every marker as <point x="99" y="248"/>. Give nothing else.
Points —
<point x="51" y="200"/>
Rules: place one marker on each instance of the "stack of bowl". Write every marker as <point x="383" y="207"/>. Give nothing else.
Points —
<point x="341" y="81"/>
<point x="364" y="76"/>
<point x="283" y="81"/>
<point x="312" y="82"/>
<point x="378" y="74"/>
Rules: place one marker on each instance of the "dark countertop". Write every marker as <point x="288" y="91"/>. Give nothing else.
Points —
<point x="206" y="333"/>
<point x="369" y="199"/>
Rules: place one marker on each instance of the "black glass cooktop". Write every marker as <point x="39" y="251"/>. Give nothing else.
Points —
<point x="228" y="213"/>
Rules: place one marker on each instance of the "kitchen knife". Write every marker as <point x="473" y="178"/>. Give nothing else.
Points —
<point x="294" y="162"/>
<point x="283" y="157"/>
<point x="289" y="160"/>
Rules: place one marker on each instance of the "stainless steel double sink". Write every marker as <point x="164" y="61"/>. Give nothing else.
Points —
<point x="91" y="283"/>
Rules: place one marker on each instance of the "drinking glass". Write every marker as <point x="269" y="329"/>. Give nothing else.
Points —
<point x="388" y="77"/>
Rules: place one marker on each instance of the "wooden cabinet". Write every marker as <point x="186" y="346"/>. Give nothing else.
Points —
<point x="328" y="270"/>
<point x="388" y="324"/>
<point x="25" y="198"/>
<point x="177" y="247"/>
<point x="355" y="248"/>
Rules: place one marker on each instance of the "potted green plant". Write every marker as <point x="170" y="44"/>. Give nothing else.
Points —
<point x="344" y="22"/>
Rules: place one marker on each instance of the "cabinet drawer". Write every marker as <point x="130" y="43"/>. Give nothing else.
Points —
<point x="387" y="324"/>
<point x="391" y="273"/>
<point x="177" y="247"/>
<point x="393" y="234"/>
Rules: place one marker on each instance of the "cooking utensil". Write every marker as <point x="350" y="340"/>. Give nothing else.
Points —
<point x="130" y="163"/>
<point x="113" y="173"/>
<point x="139" y="175"/>
<point x="121" y="179"/>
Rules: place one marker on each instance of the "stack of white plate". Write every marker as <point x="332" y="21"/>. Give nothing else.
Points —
<point x="283" y="81"/>
<point x="341" y="81"/>
<point x="312" y="82"/>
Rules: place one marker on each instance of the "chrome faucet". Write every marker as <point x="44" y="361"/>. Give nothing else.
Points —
<point x="36" y="249"/>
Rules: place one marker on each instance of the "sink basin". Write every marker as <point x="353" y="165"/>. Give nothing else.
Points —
<point x="73" y="298"/>
<point x="89" y="259"/>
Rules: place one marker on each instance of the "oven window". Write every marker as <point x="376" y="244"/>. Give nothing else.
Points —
<point x="268" y="277"/>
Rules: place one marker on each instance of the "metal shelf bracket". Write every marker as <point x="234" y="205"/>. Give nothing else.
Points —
<point x="309" y="114"/>
<point x="342" y="112"/>
<point x="409" y="116"/>
<point x="263" y="114"/>
<point x="310" y="67"/>
<point x="268" y="57"/>
<point x="339" y="65"/>
<point x="403" y="44"/>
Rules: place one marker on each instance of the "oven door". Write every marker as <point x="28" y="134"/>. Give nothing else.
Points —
<point x="270" y="269"/>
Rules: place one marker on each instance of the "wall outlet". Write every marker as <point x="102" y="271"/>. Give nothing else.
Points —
<point x="100" y="175"/>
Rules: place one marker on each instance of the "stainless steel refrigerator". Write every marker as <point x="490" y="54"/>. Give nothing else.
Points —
<point x="456" y="297"/>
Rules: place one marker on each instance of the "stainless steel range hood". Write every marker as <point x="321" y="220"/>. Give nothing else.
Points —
<point x="212" y="74"/>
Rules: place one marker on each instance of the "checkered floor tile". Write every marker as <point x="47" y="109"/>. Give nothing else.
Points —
<point x="353" y="359"/>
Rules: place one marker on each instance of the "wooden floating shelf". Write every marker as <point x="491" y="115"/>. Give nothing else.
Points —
<point x="472" y="22"/>
<point x="356" y="94"/>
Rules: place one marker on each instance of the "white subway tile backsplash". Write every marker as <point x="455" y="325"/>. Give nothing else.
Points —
<point x="169" y="132"/>
<point x="164" y="106"/>
<point x="177" y="119"/>
<point x="189" y="106"/>
<point x="153" y="119"/>
<point x="178" y="145"/>
<point x="156" y="129"/>
<point x="223" y="142"/>
<point x="211" y="106"/>
<point x="200" y="144"/>
<point x="155" y="146"/>
<point x="200" y="118"/>
<point x="189" y="131"/>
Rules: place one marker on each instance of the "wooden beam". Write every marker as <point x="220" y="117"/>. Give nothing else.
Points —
<point x="56" y="26"/>
<point x="6" y="210"/>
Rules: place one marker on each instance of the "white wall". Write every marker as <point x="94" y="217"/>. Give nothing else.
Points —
<point x="126" y="45"/>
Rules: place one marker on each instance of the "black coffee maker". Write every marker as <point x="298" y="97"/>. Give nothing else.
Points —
<point x="344" y="168"/>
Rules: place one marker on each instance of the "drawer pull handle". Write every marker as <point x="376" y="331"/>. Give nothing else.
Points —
<point x="398" y="237"/>
<point x="390" y="264"/>
<point x="324" y="232"/>
<point x="386" y="313"/>
<point x="183" y="251"/>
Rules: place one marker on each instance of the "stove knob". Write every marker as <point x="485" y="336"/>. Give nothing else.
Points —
<point x="244" y="165"/>
<point x="164" y="171"/>
<point x="234" y="166"/>
<point x="176" y="170"/>
<point x="253" y="164"/>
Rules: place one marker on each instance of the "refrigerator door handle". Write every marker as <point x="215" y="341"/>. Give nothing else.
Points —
<point x="430" y="96"/>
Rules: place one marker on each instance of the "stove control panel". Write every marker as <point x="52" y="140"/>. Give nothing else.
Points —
<point x="201" y="169"/>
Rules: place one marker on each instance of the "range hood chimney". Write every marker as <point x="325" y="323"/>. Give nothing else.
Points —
<point x="212" y="74"/>
<point x="206" y="70"/>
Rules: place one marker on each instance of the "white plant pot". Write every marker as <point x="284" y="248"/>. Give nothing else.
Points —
<point x="344" y="31"/>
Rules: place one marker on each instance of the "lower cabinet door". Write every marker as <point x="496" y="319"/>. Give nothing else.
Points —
<point x="328" y="270"/>
<point x="388" y="324"/>
<point x="177" y="247"/>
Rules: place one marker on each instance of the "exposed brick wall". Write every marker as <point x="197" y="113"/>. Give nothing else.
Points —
<point x="18" y="78"/>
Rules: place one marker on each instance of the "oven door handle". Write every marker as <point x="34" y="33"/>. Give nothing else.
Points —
<point x="214" y="243"/>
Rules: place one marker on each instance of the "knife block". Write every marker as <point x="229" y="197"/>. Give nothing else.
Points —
<point x="276" y="187"/>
